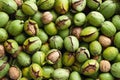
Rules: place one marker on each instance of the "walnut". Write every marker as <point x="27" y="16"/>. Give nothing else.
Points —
<point x="105" y="66"/>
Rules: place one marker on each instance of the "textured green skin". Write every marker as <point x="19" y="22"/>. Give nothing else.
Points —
<point x="8" y="6"/>
<point x="87" y="31"/>
<point x="75" y="76"/>
<point x="73" y="43"/>
<point x="64" y="33"/>
<point x="95" y="48"/>
<point x="37" y="17"/>
<point x="14" y="45"/>
<point x="37" y="69"/>
<point x="23" y="59"/>
<point x="116" y="21"/>
<point x="42" y="35"/>
<point x="79" y="19"/>
<point x="15" y="27"/>
<point x="3" y="35"/>
<point x="82" y="55"/>
<point x="107" y="8"/>
<point x="117" y="40"/>
<point x="45" y="48"/>
<point x="95" y="18"/>
<point x="110" y="51"/>
<point x="66" y="24"/>
<point x="108" y="29"/>
<point x="117" y="59"/>
<point x="47" y="71"/>
<point x="50" y="29"/>
<point x="45" y="4"/>
<point x="93" y="4"/>
<point x="68" y="59"/>
<point x="25" y="72"/>
<point x="33" y="44"/>
<point x="4" y="71"/>
<point x="26" y="27"/>
<point x="88" y="63"/>
<point x="38" y="57"/>
<point x="56" y="42"/>
<point x="60" y="74"/>
<point x="29" y="8"/>
<point x="61" y="6"/>
<point x="20" y="38"/>
<point x="106" y="76"/>
<point x="115" y="69"/>
<point x="3" y="19"/>
<point x="79" y="7"/>
<point x="20" y="15"/>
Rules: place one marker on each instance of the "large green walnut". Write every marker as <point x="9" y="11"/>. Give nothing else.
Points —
<point x="90" y="67"/>
<point x="61" y="6"/>
<point x="73" y="43"/>
<point x="89" y="34"/>
<point x="32" y="44"/>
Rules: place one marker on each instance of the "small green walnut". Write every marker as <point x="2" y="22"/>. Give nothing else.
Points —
<point x="3" y="35"/>
<point x="115" y="21"/>
<point x="90" y="67"/>
<point x="117" y="40"/>
<point x="106" y="76"/>
<point x="75" y="76"/>
<point x="89" y="34"/>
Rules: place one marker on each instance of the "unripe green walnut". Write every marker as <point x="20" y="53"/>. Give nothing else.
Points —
<point x="29" y="8"/>
<point x="90" y="67"/>
<point x="110" y="51"/>
<point x="75" y="76"/>
<point x="3" y="19"/>
<point x="3" y="35"/>
<point x="95" y="18"/>
<point x="89" y="34"/>
<point x="32" y="44"/>
<point x="108" y="29"/>
<point x="73" y="43"/>
<point x="116" y="21"/>
<point x="106" y="76"/>
<point x="56" y="42"/>
<point x="117" y="40"/>
<point x="61" y="6"/>
<point x="95" y="48"/>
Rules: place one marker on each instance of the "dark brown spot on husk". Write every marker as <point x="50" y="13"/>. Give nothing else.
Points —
<point x="3" y="66"/>
<point x="61" y="23"/>
<point x="77" y="3"/>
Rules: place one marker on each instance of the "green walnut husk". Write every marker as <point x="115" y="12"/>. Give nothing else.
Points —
<point x="73" y="43"/>
<point x="32" y="44"/>
<point x="45" y="4"/>
<point x="117" y="40"/>
<point x="3" y="19"/>
<point x="15" y="27"/>
<point x="25" y="72"/>
<point x="90" y="67"/>
<point x="108" y="28"/>
<point x="61" y="6"/>
<point x="23" y="59"/>
<point x="11" y="46"/>
<point x="115" y="69"/>
<point x="23" y="78"/>
<point x="8" y="6"/>
<point x="115" y="21"/>
<point x="61" y="74"/>
<point x="47" y="71"/>
<point x="50" y="29"/>
<point x="68" y="58"/>
<point x="39" y="58"/>
<point x="95" y="18"/>
<point x="29" y="8"/>
<point x="82" y="54"/>
<point x="107" y="8"/>
<point x="106" y="76"/>
<point x="89" y="34"/>
<point x="45" y="48"/>
<point x="64" y="33"/>
<point x="79" y="19"/>
<point x="93" y="4"/>
<point x="95" y="48"/>
<point x="110" y="51"/>
<point x="53" y="56"/>
<point x="3" y="35"/>
<point x="78" y="5"/>
<point x="4" y="67"/>
<point x="75" y="76"/>
<point x="36" y="71"/>
<point x="63" y="22"/>
<point x="117" y="59"/>
<point x="31" y="27"/>
<point x="56" y="42"/>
